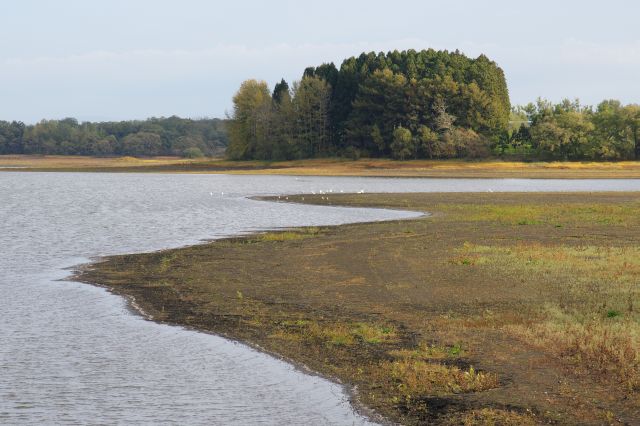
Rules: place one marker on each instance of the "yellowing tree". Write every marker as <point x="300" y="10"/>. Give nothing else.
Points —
<point x="249" y="125"/>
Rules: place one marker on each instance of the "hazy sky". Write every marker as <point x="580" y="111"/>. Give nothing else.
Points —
<point x="117" y="59"/>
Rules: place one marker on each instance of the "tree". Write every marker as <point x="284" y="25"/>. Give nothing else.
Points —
<point x="377" y="139"/>
<point x="69" y="137"/>
<point x="193" y="152"/>
<point x="283" y="125"/>
<point x="381" y="102"/>
<point x="279" y="91"/>
<point x="183" y="143"/>
<point x="11" y="137"/>
<point x="104" y="147"/>
<point x="247" y="127"/>
<point x="610" y="139"/>
<point x="311" y="109"/>
<point x="473" y="90"/>
<point x="142" y="144"/>
<point x="564" y="135"/>
<point x="443" y="121"/>
<point x="429" y="142"/>
<point x="631" y="115"/>
<point x="403" y="145"/>
<point x="465" y="143"/>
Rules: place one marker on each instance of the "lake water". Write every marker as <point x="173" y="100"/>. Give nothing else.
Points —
<point x="71" y="353"/>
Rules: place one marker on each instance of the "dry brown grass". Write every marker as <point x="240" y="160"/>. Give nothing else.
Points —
<point x="83" y="162"/>
<point x="337" y="334"/>
<point x="414" y="378"/>
<point x="332" y="167"/>
<point x="594" y="320"/>
<point x="492" y="417"/>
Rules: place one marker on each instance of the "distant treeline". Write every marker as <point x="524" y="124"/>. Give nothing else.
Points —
<point x="427" y="104"/>
<point x="570" y="131"/>
<point x="155" y="136"/>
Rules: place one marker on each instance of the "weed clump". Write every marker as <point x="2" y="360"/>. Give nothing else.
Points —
<point x="414" y="377"/>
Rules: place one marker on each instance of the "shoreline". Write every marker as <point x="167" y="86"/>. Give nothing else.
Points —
<point x="350" y="391"/>
<point x="131" y="262"/>
<point x="484" y="169"/>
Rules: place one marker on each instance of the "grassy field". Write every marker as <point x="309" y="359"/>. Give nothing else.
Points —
<point x="496" y="309"/>
<point x="329" y="167"/>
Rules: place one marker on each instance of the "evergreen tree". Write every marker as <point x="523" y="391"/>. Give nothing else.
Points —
<point x="279" y="91"/>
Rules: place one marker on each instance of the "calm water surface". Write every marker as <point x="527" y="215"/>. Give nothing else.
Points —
<point x="74" y="354"/>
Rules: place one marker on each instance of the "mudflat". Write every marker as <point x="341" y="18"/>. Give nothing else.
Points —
<point x="505" y="308"/>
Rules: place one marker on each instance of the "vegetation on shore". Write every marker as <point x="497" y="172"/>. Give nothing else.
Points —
<point x="421" y="104"/>
<point x="430" y="104"/>
<point x="155" y="136"/>
<point x="498" y="308"/>
<point x="403" y="105"/>
<point x="330" y="167"/>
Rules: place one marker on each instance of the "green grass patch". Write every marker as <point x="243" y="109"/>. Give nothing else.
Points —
<point x="552" y="214"/>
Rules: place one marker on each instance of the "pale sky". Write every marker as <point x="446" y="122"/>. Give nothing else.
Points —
<point x="117" y="59"/>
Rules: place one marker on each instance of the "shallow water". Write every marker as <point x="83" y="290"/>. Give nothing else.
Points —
<point x="71" y="353"/>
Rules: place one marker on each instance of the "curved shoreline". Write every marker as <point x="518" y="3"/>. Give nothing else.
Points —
<point x="261" y="311"/>
<point x="134" y="308"/>
<point x="350" y="391"/>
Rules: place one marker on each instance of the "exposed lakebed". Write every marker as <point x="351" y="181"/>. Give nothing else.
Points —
<point x="73" y="353"/>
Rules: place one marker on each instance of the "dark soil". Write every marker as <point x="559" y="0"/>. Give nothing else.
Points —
<point x="391" y="310"/>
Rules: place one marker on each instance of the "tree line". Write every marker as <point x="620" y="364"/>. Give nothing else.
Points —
<point x="155" y="136"/>
<point x="404" y="105"/>
<point x="571" y="131"/>
<point x="426" y="104"/>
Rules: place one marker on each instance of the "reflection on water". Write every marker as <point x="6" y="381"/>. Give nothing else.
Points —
<point x="73" y="353"/>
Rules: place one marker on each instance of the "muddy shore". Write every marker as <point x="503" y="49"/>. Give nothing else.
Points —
<point x="466" y="316"/>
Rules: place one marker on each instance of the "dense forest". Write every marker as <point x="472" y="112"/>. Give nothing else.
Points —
<point x="398" y="104"/>
<point x="427" y="104"/>
<point x="155" y="136"/>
